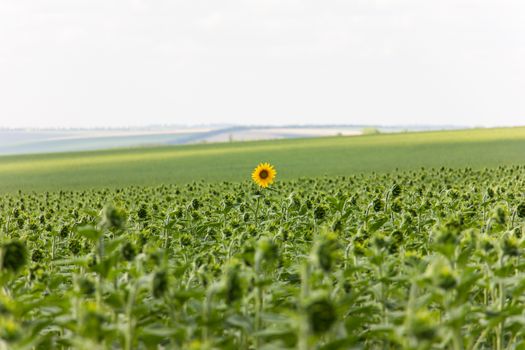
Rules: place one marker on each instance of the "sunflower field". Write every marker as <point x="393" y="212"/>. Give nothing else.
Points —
<point x="424" y="259"/>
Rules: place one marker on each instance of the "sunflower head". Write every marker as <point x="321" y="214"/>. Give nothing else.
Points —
<point x="264" y="174"/>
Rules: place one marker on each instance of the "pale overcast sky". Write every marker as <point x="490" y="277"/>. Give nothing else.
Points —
<point x="72" y="63"/>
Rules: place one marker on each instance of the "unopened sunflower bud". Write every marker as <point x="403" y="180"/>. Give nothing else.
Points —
<point x="396" y="206"/>
<point x="396" y="190"/>
<point x="160" y="283"/>
<point x="337" y="225"/>
<point x="380" y="240"/>
<point x="518" y="232"/>
<point x="85" y="286"/>
<point x="520" y="210"/>
<point x="128" y="251"/>
<point x="37" y="255"/>
<point x="64" y="231"/>
<point x="377" y="204"/>
<point x="321" y="315"/>
<point x="500" y="215"/>
<point x="232" y="284"/>
<point x="413" y="258"/>
<point x="142" y="213"/>
<point x="266" y="251"/>
<point x="92" y="323"/>
<point x="185" y="239"/>
<point x="320" y="212"/>
<point x="510" y="246"/>
<point x="7" y="305"/>
<point x="486" y="244"/>
<point x="441" y="274"/>
<point x="74" y="246"/>
<point x="10" y="330"/>
<point x="359" y="249"/>
<point x="14" y="256"/>
<point x="449" y="232"/>
<point x="422" y="326"/>
<point x="198" y="345"/>
<point x="113" y="218"/>
<point x="195" y="204"/>
<point x="325" y="251"/>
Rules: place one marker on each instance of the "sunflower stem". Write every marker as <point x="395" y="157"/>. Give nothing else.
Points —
<point x="257" y="212"/>
<point x="304" y="329"/>
<point x="128" y="336"/>
<point x="258" y="303"/>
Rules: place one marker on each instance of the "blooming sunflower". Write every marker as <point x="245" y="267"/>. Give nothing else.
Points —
<point x="264" y="174"/>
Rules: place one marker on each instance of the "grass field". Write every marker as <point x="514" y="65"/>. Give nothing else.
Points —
<point x="232" y="162"/>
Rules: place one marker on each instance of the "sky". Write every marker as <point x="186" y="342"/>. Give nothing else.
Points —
<point x="87" y="63"/>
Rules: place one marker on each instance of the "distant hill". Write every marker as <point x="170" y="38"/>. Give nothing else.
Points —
<point x="28" y="141"/>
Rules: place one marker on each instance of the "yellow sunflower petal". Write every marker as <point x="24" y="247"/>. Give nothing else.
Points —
<point x="264" y="174"/>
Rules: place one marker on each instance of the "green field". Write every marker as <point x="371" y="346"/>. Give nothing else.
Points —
<point x="416" y="260"/>
<point x="232" y="162"/>
<point x="424" y="259"/>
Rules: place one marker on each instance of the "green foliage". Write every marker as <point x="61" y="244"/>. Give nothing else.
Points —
<point x="421" y="259"/>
